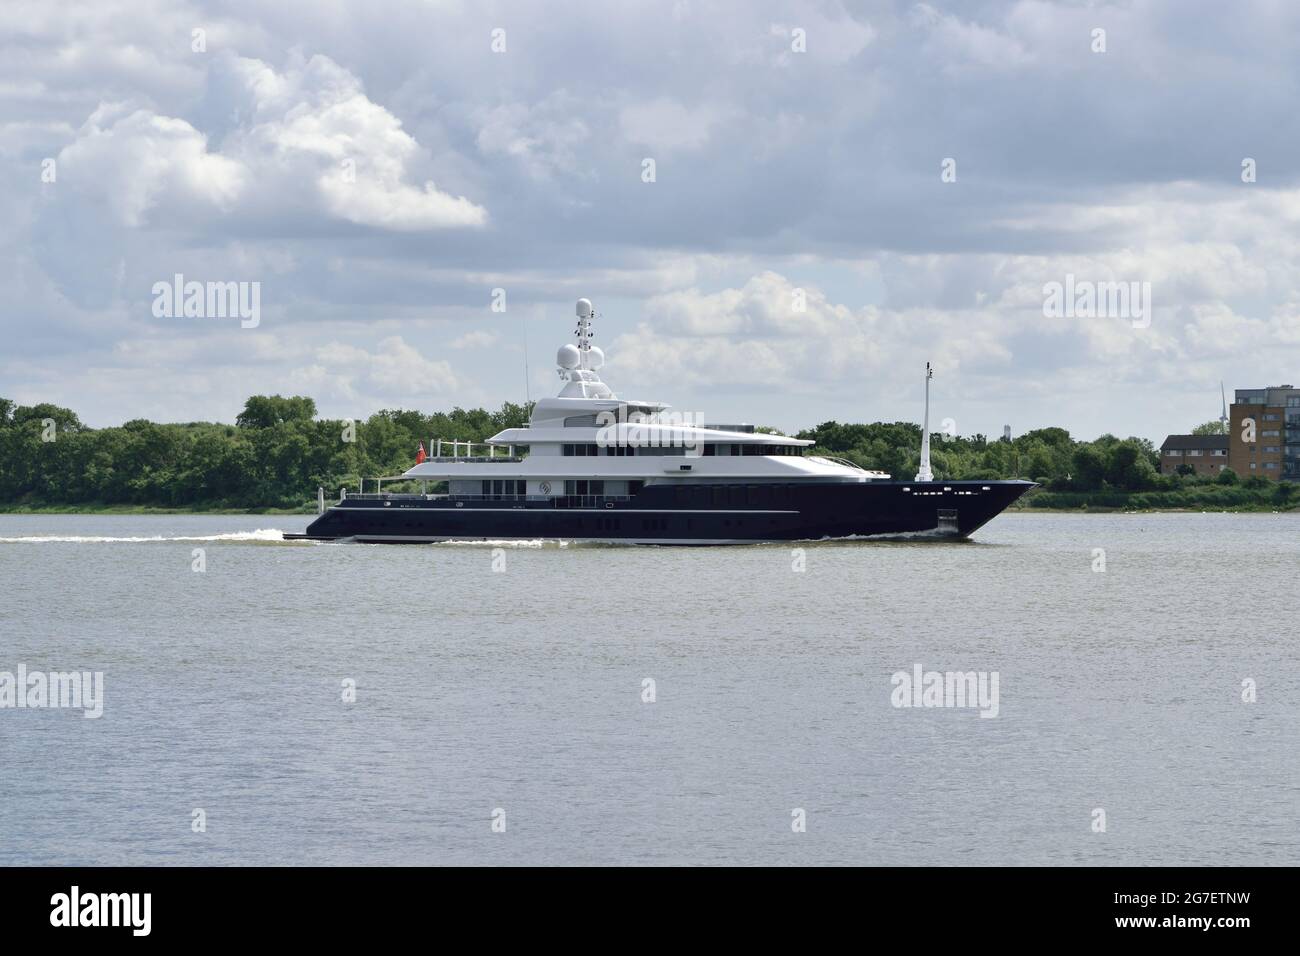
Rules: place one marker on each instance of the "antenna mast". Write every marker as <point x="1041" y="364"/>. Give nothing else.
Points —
<point x="1223" y="416"/>
<point x="923" y="473"/>
<point x="583" y="331"/>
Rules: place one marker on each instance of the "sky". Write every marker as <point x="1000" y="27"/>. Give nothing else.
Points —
<point x="781" y="210"/>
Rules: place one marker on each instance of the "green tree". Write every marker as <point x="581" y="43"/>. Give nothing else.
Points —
<point x="1128" y="466"/>
<point x="1089" y="468"/>
<point x="1209" y="428"/>
<point x="65" y="419"/>
<point x="264" y="411"/>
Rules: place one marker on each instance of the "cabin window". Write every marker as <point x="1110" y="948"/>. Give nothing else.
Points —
<point x="754" y="449"/>
<point x="580" y="450"/>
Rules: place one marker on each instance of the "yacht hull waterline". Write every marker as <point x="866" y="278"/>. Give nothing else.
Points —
<point x="599" y="468"/>
<point x="680" y="514"/>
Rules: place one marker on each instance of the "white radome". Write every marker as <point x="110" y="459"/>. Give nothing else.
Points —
<point x="568" y="356"/>
<point x="584" y="308"/>
<point x="595" y="357"/>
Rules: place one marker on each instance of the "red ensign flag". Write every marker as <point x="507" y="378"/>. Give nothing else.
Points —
<point x="420" y="455"/>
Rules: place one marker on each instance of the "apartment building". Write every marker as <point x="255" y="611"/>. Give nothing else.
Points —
<point x="1264" y="432"/>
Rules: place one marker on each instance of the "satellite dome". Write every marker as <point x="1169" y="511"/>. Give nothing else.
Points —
<point x="595" y="357"/>
<point x="568" y="356"/>
<point x="584" y="308"/>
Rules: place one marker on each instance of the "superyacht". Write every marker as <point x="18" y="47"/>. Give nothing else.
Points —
<point x="590" y="466"/>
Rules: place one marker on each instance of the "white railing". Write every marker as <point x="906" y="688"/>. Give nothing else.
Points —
<point x="839" y="461"/>
<point x="436" y="446"/>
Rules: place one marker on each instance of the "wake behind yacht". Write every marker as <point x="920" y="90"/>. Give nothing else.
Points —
<point x="591" y="466"/>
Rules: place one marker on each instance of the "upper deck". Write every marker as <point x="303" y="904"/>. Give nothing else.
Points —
<point x="587" y="432"/>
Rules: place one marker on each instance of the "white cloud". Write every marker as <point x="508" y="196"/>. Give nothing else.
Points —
<point x="136" y="160"/>
<point x="395" y="368"/>
<point x="753" y="336"/>
<point x="957" y="43"/>
<point x="545" y="138"/>
<point x="309" y="142"/>
<point x="665" y="124"/>
<point x="477" y="339"/>
<point x="830" y="36"/>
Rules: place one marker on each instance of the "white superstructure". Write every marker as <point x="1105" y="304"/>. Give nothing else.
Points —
<point x="587" y="441"/>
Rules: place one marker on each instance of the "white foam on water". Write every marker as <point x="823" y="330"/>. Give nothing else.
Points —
<point x="503" y="543"/>
<point x="261" y="534"/>
<point x="531" y="543"/>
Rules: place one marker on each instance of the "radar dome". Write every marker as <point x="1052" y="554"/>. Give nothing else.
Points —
<point x="568" y="356"/>
<point x="584" y="308"/>
<point x="595" y="357"/>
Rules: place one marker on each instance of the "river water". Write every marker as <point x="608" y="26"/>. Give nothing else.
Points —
<point x="509" y="685"/>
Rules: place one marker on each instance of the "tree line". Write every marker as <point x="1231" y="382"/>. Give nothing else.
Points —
<point x="1108" y="472"/>
<point x="275" y="455"/>
<point x="278" y="452"/>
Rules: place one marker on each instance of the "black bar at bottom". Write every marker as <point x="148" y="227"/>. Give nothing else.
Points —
<point x="959" y="906"/>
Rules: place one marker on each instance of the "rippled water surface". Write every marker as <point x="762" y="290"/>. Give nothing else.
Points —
<point x="522" y="689"/>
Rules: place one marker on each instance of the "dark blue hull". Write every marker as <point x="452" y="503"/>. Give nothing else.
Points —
<point x="680" y="513"/>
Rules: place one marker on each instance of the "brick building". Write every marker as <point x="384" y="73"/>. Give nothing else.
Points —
<point x="1205" y="454"/>
<point x="1265" y="432"/>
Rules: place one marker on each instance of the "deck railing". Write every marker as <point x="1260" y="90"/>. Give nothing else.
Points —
<point x="558" y="501"/>
<point x="839" y="461"/>
<point x="477" y="459"/>
<point x="464" y="451"/>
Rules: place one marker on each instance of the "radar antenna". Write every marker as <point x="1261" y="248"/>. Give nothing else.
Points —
<point x="578" y="363"/>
